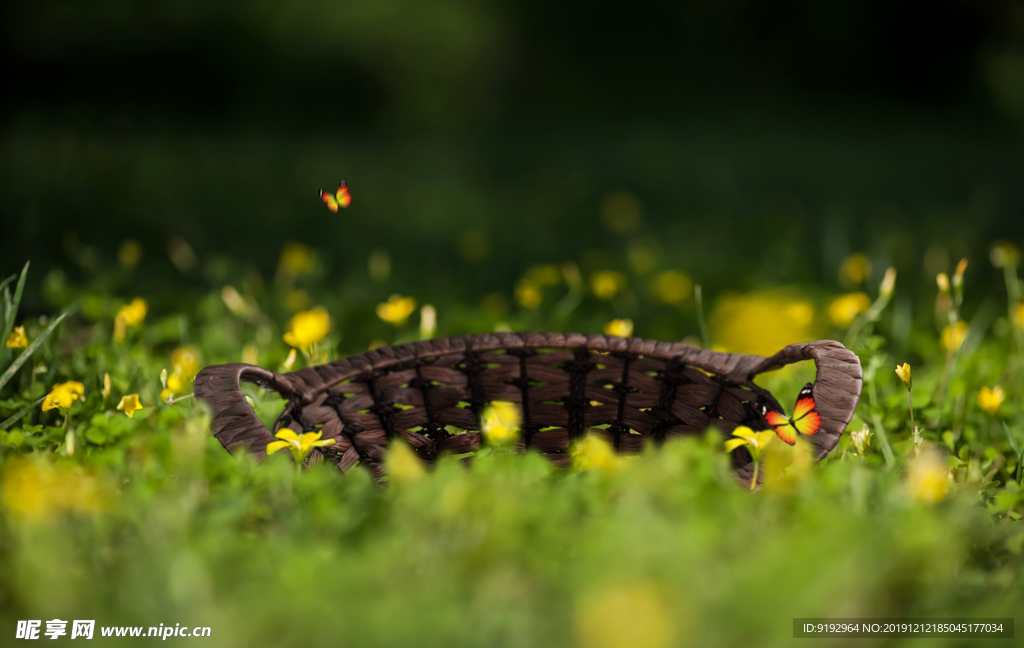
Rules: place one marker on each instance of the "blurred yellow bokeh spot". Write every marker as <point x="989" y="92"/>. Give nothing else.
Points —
<point x="761" y="323"/>
<point x="628" y="615"/>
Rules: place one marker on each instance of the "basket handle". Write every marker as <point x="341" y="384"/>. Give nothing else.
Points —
<point x="837" y="385"/>
<point x="235" y="424"/>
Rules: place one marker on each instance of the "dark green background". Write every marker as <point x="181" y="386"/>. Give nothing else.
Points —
<point x="764" y="140"/>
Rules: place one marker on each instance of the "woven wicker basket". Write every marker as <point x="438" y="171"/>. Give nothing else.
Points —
<point x="565" y="384"/>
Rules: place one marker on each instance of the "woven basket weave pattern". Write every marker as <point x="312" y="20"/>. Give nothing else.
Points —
<point x="565" y="384"/>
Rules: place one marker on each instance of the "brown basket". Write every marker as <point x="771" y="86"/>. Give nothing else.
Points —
<point x="565" y="384"/>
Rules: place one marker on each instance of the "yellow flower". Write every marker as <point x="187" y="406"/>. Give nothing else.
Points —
<point x="904" y="374"/>
<point x="627" y="615"/>
<point x="861" y="439"/>
<point x="289" y="362"/>
<point x="958" y="276"/>
<point x="39" y="490"/>
<point x="396" y="309"/>
<point x="106" y="385"/>
<point x="854" y="270"/>
<point x="928" y="478"/>
<point x="500" y="422"/>
<point x="299" y="445"/>
<point x="1018" y="314"/>
<point x="402" y="464"/>
<point x="888" y="283"/>
<point x="952" y="337"/>
<point x="130" y="404"/>
<point x="672" y="287"/>
<point x="990" y="399"/>
<point x="761" y="323"/>
<point x="595" y="453"/>
<point x="607" y="283"/>
<point x="185" y="362"/>
<point x="129" y="315"/>
<point x="308" y="327"/>
<point x="428" y="321"/>
<point x="296" y="259"/>
<point x="528" y="294"/>
<point x="619" y="327"/>
<point x="755" y="442"/>
<point x="17" y="339"/>
<point x="844" y="308"/>
<point x="942" y="280"/>
<point x="63" y="395"/>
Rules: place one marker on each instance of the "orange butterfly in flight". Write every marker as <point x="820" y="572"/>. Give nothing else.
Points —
<point x="342" y="198"/>
<point x="806" y="419"/>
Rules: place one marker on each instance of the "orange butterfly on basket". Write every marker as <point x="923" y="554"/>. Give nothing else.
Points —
<point x="805" y="420"/>
<point x="341" y="198"/>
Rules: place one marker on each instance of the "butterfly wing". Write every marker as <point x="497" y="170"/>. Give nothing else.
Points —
<point x="806" y="418"/>
<point x="343" y="197"/>
<point x="783" y="427"/>
<point x="329" y="200"/>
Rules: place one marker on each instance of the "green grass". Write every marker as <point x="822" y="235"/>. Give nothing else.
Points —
<point x="150" y="521"/>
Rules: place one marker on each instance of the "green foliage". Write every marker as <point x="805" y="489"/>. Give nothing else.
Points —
<point x="147" y="520"/>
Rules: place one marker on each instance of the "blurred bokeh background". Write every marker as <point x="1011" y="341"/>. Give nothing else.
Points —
<point x="746" y="145"/>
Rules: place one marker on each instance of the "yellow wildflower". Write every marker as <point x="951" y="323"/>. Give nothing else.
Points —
<point x="402" y="464"/>
<point x="619" y="327"/>
<point x="928" y="478"/>
<point x="845" y="308"/>
<point x="299" y="445"/>
<point x="185" y="362"/>
<point x="904" y="374"/>
<point x="39" y="490"/>
<point x="106" y="385"/>
<point x="627" y="615"/>
<point x="942" y="280"/>
<point x="129" y="315"/>
<point x="958" y="276"/>
<point x="755" y="442"/>
<point x="308" y="327"/>
<point x="289" y="362"/>
<point x="593" y="452"/>
<point x="63" y="395"/>
<point x="672" y="287"/>
<point x="953" y="337"/>
<point x="854" y="270"/>
<point x="1018" y="314"/>
<point x="130" y="253"/>
<point x="888" y="283"/>
<point x="130" y="404"/>
<point x="500" y="422"/>
<point x="861" y="439"/>
<point x="17" y="339"/>
<point x="607" y="283"/>
<point x="990" y="399"/>
<point x="296" y="259"/>
<point x="251" y="354"/>
<point x="761" y="323"/>
<point x="528" y="294"/>
<point x="428" y="321"/>
<point x="396" y="309"/>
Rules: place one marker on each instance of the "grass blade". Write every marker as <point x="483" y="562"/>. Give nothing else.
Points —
<point x="3" y="284"/>
<point x="12" y="311"/>
<point x="17" y="417"/>
<point x="27" y="353"/>
<point x="1011" y="438"/>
